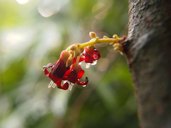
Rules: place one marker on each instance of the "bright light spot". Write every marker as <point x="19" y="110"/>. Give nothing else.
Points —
<point x="45" y="12"/>
<point x="22" y="1"/>
<point x="15" y="40"/>
<point x="48" y="8"/>
<point x="59" y="103"/>
<point x="12" y="40"/>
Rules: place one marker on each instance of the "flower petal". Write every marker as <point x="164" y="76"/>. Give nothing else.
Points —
<point x="82" y="82"/>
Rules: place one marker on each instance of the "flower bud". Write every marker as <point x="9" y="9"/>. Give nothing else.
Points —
<point x="92" y="35"/>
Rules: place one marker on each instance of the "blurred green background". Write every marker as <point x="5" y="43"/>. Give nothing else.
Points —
<point x="32" y="34"/>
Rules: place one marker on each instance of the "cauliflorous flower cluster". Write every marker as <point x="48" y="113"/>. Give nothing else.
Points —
<point x="67" y="70"/>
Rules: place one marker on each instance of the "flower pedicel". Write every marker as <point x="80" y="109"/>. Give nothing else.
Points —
<point x="67" y="70"/>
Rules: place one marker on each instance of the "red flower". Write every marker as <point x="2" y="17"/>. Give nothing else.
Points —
<point x="74" y="74"/>
<point x="58" y="70"/>
<point x="90" y="55"/>
<point x="64" y="75"/>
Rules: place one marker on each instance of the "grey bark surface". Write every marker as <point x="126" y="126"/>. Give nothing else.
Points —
<point x="149" y="58"/>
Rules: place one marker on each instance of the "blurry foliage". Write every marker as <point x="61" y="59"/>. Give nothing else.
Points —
<point x="9" y="79"/>
<point x="32" y="35"/>
<point x="10" y="14"/>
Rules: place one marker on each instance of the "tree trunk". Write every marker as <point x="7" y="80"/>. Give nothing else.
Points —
<point x="149" y="57"/>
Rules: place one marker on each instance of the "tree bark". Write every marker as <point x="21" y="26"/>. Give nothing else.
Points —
<point x="149" y="57"/>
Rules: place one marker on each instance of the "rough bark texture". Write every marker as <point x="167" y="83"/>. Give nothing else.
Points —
<point x="149" y="57"/>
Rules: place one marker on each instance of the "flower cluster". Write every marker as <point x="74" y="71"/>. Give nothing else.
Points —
<point x="67" y="70"/>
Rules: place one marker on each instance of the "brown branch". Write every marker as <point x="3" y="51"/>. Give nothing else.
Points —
<point x="149" y="57"/>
